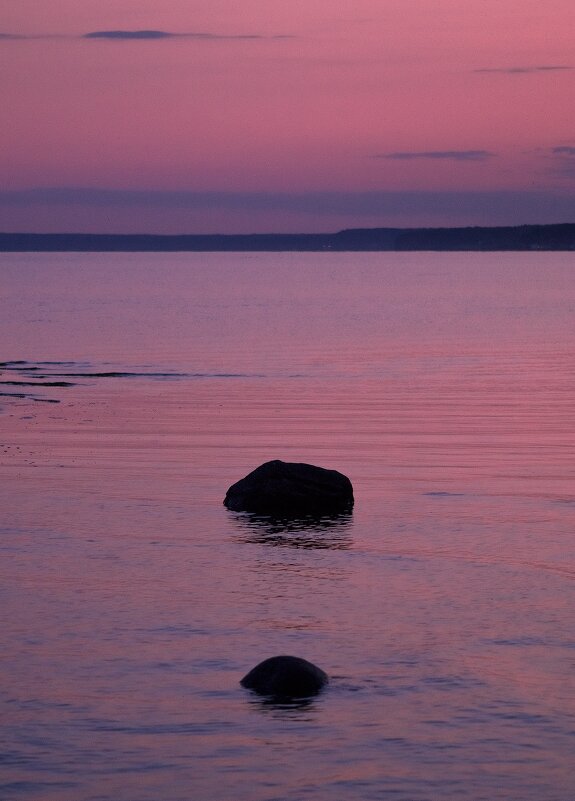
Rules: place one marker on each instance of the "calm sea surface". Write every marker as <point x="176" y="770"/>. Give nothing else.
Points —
<point x="137" y="387"/>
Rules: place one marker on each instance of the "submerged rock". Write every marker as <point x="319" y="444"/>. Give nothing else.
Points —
<point x="291" y="489"/>
<point x="285" y="677"/>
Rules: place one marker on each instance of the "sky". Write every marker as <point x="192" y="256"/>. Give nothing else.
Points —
<point x="248" y="116"/>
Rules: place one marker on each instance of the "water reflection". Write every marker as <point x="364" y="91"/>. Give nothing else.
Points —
<point x="301" y="709"/>
<point x="331" y="532"/>
<point x="446" y="629"/>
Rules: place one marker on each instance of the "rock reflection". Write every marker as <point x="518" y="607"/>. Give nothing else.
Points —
<point x="301" y="709"/>
<point x="331" y="532"/>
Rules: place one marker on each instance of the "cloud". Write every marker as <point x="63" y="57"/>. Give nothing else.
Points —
<point x="562" y="162"/>
<point x="128" y="35"/>
<point x="167" y="35"/>
<point x="386" y="207"/>
<point x="525" y="70"/>
<point x="145" y="35"/>
<point x="446" y="155"/>
<point x="19" y="37"/>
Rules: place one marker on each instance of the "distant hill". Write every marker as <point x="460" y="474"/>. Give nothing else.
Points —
<point x="522" y="237"/>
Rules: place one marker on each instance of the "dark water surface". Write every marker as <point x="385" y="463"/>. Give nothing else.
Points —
<point x="137" y="387"/>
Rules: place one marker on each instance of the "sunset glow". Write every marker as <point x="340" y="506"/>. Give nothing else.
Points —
<point x="179" y="117"/>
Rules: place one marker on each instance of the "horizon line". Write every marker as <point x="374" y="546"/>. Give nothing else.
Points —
<point x="293" y="233"/>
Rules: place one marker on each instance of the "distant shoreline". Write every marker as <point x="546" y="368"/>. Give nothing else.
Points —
<point x="557" y="237"/>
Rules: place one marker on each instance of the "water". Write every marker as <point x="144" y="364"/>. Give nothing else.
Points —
<point x="133" y="601"/>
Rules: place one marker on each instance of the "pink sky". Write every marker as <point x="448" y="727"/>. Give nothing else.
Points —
<point x="289" y="117"/>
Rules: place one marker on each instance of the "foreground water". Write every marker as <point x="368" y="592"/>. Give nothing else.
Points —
<point x="133" y="601"/>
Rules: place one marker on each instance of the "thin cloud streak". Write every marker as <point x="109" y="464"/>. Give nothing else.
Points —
<point x="128" y="35"/>
<point x="24" y="37"/>
<point x="131" y="35"/>
<point x="562" y="162"/>
<point x="144" y="35"/>
<point x="525" y="70"/>
<point x="447" y="155"/>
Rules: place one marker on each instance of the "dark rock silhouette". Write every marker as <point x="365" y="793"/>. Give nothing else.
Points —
<point x="291" y="489"/>
<point x="285" y="677"/>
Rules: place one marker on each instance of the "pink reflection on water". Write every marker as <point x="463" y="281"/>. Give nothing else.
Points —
<point x="441" y="608"/>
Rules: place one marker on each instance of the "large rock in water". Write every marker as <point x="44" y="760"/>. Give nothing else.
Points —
<point x="291" y="489"/>
<point x="285" y="677"/>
